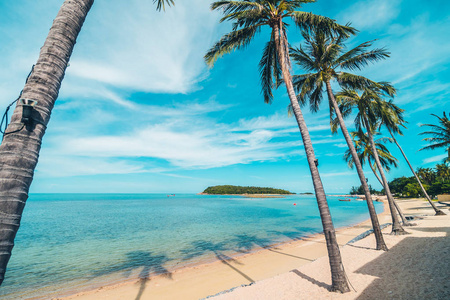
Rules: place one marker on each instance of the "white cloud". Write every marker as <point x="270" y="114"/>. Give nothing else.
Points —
<point x="371" y="13"/>
<point x="434" y="158"/>
<point x="130" y="45"/>
<point x="192" y="148"/>
<point x="337" y="174"/>
<point x="62" y="166"/>
<point x="341" y="145"/>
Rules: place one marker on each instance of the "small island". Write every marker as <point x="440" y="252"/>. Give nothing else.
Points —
<point x="249" y="191"/>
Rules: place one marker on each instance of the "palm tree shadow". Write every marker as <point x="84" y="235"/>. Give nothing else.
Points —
<point x="150" y="264"/>
<point x="312" y="280"/>
<point x="426" y="269"/>
<point x="201" y="247"/>
<point x="245" y="243"/>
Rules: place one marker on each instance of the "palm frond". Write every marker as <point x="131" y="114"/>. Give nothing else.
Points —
<point x="160" y="4"/>
<point x="269" y="70"/>
<point x="306" y="21"/>
<point x="363" y="59"/>
<point x="300" y="57"/>
<point x="236" y="39"/>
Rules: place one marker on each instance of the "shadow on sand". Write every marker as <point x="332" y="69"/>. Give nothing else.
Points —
<point x="245" y="243"/>
<point x="149" y="264"/>
<point x="423" y="274"/>
<point x="202" y="247"/>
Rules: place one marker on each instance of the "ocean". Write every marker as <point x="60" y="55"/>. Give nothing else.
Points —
<point x="73" y="242"/>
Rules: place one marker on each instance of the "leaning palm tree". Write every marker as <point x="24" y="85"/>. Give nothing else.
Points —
<point x="324" y="56"/>
<point x="365" y="154"/>
<point x="22" y="140"/>
<point x="368" y="105"/>
<point x="392" y="118"/>
<point x="248" y="18"/>
<point x="440" y="135"/>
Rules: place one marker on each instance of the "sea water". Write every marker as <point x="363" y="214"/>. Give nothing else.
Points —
<point x="72" y="242"/>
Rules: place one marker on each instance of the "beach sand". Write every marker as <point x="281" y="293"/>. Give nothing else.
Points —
<point x="416" y="267"/>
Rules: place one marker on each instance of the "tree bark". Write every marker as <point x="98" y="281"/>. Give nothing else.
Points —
<point x="380" y="244"/>
<point x="397" y="228"/>
<point x="400" y="212"/>
<point x="436" y="210"/>
<point x="339" y="278"/>
<point x="19" y="151"/>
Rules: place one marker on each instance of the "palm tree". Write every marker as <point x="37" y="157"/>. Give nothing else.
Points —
<point x="427" y="175"/>
<point x="440" y="135"/>
<point x="392" y="119"/>
<point x="368" y="105"/>
<point x="324" y="57"/>
<point x="21" y="144"/>
<point x="365" y="153"/>
<point x="248" y="18"/>
<point x="443" y="172"/>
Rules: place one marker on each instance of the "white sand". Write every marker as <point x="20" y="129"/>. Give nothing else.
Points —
<point x="416" y="267"/>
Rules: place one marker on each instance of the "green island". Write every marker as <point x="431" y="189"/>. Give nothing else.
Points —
<point x="239" y="190"/>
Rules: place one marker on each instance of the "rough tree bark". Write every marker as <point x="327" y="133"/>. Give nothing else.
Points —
<point x="19" y="151"/>
<point x="380" y="244"/>
<point x="339" y="280"/>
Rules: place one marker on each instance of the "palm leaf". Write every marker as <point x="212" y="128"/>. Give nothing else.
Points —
<point x="161" y="4"/>
<point x="236" y="39"/>
<point x="362" y="60"/>
<point x="269" y="70"/>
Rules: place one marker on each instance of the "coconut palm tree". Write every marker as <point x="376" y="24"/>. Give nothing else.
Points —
<point x="392" y="118"/>
<point x="443" y="172"/>
<point x="21" y="143"/>
<point x="427" y="175"/>
<point x="368" y="105"/>
<point x="365" y="153"/>
<point x="325" y="57"/>
<point x="248" y="18"/>
<point x="440" y="135"/>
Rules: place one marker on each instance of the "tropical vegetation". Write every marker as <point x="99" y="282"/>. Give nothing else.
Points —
<point x="439" y="135"/>
<point x="238" y="190"/>
<point x="249" y="17"/>
<point x="325" y="59"/>
<point x="324" y="55"/>
<point x="435" y="180"/>
<point x="392" y="119"/>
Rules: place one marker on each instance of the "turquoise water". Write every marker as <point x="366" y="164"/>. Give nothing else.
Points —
<point x="71" y="242"/>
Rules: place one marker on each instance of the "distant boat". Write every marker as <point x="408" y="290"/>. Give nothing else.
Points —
<point x="344" y="199"/>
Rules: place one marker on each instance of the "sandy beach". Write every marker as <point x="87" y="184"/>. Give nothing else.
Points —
<point x="416" y="267"/>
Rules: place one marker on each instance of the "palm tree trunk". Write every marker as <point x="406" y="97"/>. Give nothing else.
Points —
<point x="397" y="228"/>
<point x="400" y="212"/>
<point x="19" y="151"/>
<point x="375" y="173"/>
<point x="339" y="278"/>
<point x="373" y="214"/>
<point x="437" y="211"/>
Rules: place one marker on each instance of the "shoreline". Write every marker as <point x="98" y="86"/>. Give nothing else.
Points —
<point x="220" y="275"/>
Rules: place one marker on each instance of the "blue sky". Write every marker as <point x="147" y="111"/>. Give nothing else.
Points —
<point x="139" y="111"/>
